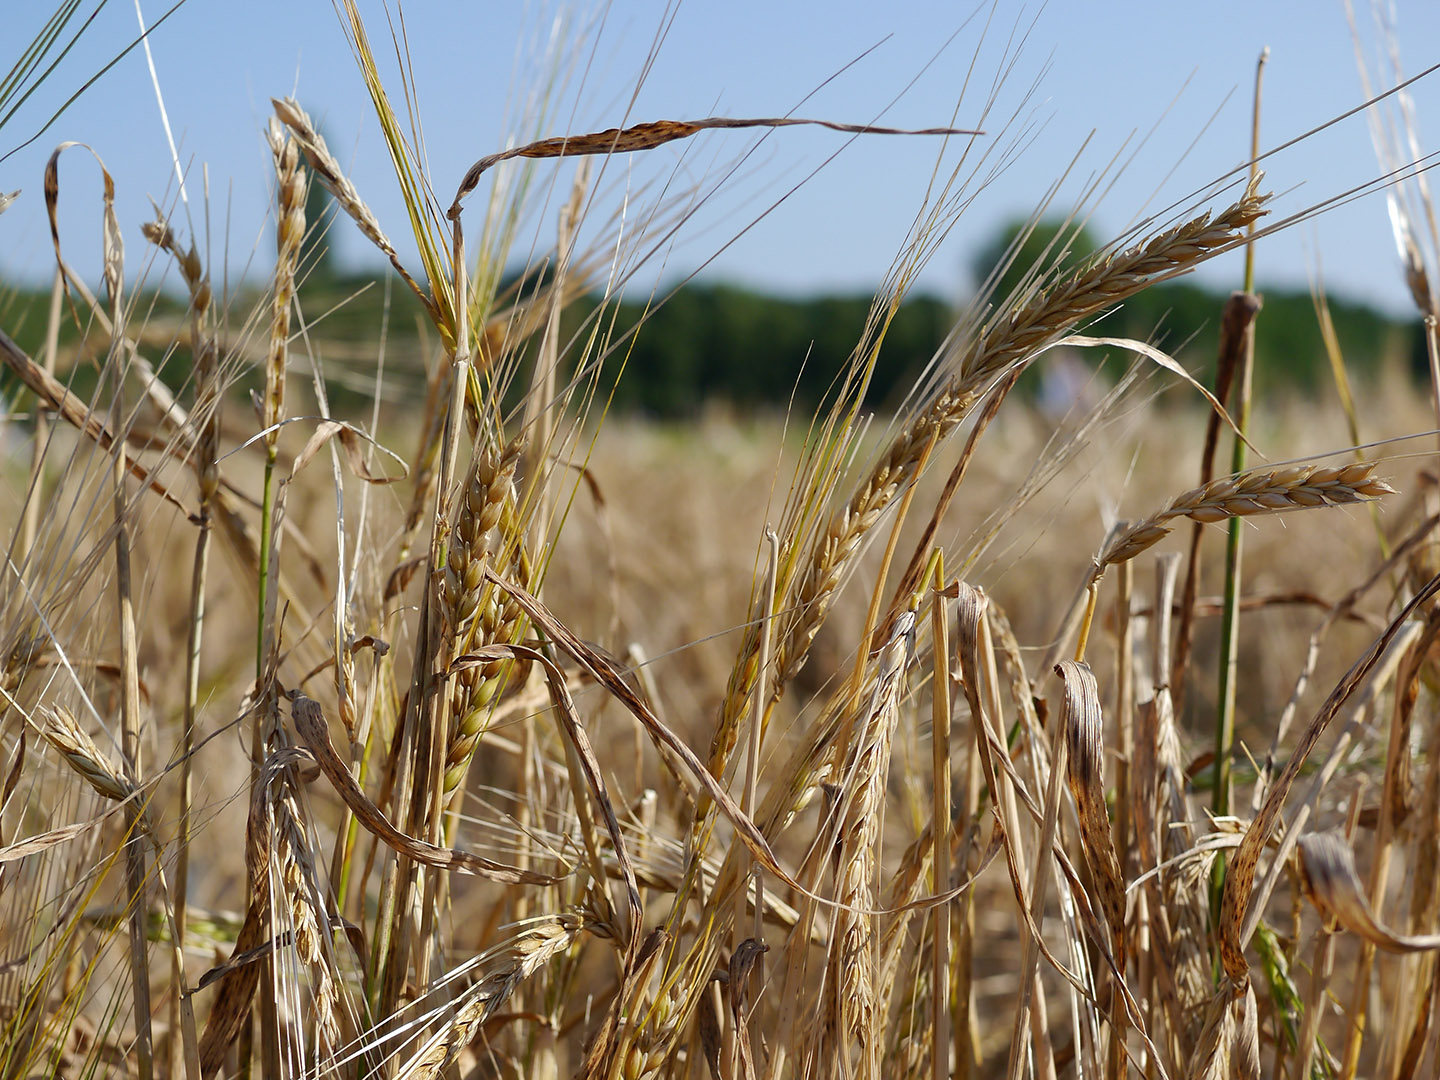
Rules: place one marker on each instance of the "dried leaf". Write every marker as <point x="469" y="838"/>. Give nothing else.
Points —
<point x="656" y="133"/>
<point x="52" y="198"/>
<point x="1085" y="737"/>
<point x="1329" y="878"/>
<point x="747" y="954"/>
<point x="350" y="443"/>
<point x="605" y="673"/>
<point x="310" y="724"/>
<point x="570" y="720"/>
<point x="1164" y="360"/>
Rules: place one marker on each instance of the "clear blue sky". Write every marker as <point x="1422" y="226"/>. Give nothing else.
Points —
<point x="1168" y="83"/>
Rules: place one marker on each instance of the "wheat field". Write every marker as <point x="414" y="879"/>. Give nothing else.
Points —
<point x="472" y="731"/>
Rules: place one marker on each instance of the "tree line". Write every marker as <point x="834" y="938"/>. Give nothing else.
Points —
<point x="710" y="342"/>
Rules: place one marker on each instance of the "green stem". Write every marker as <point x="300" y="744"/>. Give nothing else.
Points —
<point x="1234" y="546"/>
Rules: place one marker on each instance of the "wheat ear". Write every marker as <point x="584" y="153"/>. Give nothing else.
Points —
<point x="508" y="965"/>
<point x="473" y="613"/>
<point x="850" y="975"/>
<point x="1012" y="338"/>
<point x="1015" y="335"/>
<point x="1256" y="491"/>
<point x="327" y="169"/>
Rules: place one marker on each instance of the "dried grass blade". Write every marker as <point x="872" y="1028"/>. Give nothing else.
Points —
<point x="12" y="778"/>
<point x="1164" y="360"/>
<point x="973" y="639"/>
<point x="34" y="845"/>
<point x="310" y="725"/>
<point x="655" y="133"/>
<point x="606" y="674"/>
<point x="52" y="199"/>
<point x="575" y="733"/>
<point x="1333" y="885"/>
<point x="58" y="398"/>
<point x="1085" y="739"/>
<point x="350" y="440"/>
<point x="1340" y="609"/>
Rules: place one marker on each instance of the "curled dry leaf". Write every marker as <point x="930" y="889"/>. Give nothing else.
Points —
<point x="1085" y="741"/>
<point x="589" y="764"/>
<point x="605" y="673"/>
<point x="350" y="439"/>
<point x="1329" y="878"/>
<point x="1161" y="358"/>
<point x="52" y="199"/>
<point x="747" y="954"/>
<point x="310" y="724"/>
<point x="656" y="133"/>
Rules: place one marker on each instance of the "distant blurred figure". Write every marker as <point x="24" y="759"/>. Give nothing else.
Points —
<point x="1067" y="386"/>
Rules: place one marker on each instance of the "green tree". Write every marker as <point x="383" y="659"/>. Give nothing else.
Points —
<point x="1017" y="248"/>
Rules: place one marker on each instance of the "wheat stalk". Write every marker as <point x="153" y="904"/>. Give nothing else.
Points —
<point x="1012" y="338"/>
<point x="293" y="866"/>
<point x="1019" y="333"/>
<point x="205" y="455"/>
<point x="850" y="973"/>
